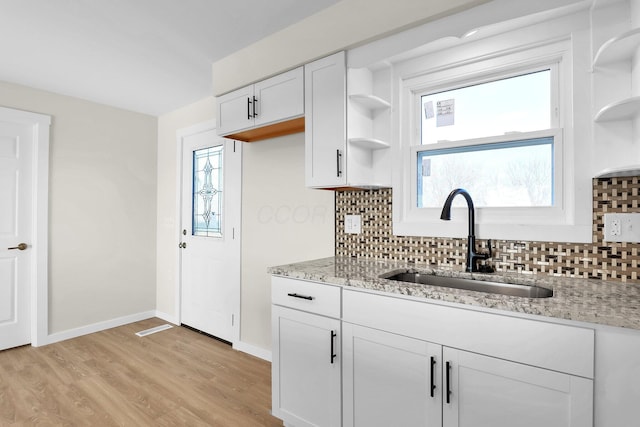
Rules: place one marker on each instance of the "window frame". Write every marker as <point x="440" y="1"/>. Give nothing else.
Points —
<point x="433" y="73"/>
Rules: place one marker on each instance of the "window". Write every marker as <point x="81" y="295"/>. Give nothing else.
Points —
<point x="518" y="172"/>
<point x="515" y="173"/>
<point x="492" y="121"/>
<point x="207" y="192"/>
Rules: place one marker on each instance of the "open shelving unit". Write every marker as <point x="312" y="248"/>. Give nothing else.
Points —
<point x="615" y="37"/>
<point x="368" y="125"/>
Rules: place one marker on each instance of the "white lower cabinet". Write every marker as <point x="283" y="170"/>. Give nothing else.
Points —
<point x="390" y="379"/>
<point x="486" y="391"/>
<point x="306" y="366"/>
<point x="617" y="382"/>
<point x="344" y="357"/>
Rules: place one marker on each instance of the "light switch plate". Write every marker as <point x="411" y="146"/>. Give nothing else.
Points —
<point x="622" y="227"/>
<point x="352" y="224"/>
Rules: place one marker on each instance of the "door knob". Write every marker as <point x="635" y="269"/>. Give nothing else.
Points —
<point x="20" y="247"/>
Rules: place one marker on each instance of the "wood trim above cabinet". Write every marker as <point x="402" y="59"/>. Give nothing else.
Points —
<point x="270" y="131"/>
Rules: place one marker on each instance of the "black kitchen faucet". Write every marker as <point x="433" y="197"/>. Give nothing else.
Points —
<point x="472" y="255"/>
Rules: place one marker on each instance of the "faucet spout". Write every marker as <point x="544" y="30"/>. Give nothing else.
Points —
<point x="472" y="255"/>
<point x="446" y="209"/>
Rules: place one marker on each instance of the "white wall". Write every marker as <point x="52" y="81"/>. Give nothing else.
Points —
<point x="168" y="226"/>
<point x="345" y="24"/>
<point x="101" y="208"/>
<point x="282" y="222"/>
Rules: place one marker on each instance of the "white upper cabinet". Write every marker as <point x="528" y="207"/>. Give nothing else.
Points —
<point x="325" y="127"/>
<point x="347" y="135"/>
<point x="269" y="108"/>
<point x="235" y="111"/>
<point x="279" y="98"/>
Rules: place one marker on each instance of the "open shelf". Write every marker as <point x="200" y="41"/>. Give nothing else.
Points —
<point x="371" y="102"/>
<point x="369" y="143"/>
<point x="618" y="48"/>
<point x="631" y="170"/>
<point x="620" y="110"/>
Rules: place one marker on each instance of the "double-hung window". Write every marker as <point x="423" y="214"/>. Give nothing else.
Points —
<point x="493" y="138"/>
<point x="495" y="126"/>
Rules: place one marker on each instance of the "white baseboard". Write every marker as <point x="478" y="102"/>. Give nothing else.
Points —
<point x="253" y="350"/>
<point x="120" y="321"/>
<point x="167" y="317"/>
<point x="97" y="327"/>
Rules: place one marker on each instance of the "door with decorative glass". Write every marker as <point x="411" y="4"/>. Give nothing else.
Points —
<point x="210" y="234"/>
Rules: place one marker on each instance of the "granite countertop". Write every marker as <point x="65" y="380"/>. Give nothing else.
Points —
<point x="585" y="300"/>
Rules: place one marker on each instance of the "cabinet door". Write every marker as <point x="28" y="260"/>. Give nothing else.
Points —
<point x="235" y="111"/>
<point x="485" y="391"/>
<point x="617" y="390"/>
<point x="325" y="122"/>
<point x="279" y="98"/>
<point x="305" y="368"/>
<point x="388" y="379"/>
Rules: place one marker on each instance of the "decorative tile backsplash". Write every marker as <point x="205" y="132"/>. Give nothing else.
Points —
<point x="598" y="260"/>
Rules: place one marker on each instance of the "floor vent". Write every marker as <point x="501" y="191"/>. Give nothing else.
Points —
<point x="153" y="330"/>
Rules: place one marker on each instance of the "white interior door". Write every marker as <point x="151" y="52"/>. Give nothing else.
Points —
<point x="210" y="238"/>
<point x="16" y="193"/>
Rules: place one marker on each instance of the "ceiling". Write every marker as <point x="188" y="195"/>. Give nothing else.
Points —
<point x="149" y="56"/>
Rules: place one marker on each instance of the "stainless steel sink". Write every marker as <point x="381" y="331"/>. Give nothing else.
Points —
<point x="510" y="289"/>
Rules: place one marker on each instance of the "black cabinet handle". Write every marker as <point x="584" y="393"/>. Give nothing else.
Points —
<point x="333" y="355"/>
<point x="338" y="156"/>
<point x="448" y="370"/>
<point x="310" y="298"/>
<point x="249" y="108"/>
<point x="433" y="385"/>
<point x="255" y="102"/>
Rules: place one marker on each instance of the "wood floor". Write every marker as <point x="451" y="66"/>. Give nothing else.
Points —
<point x="176" y="377"/>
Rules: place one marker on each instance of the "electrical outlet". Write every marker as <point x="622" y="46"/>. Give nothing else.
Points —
<point x="622" y="227"/>
<point x="352" y="224"/>
<point x="615" y="227"/>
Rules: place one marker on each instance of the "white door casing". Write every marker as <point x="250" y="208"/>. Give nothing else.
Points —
<point x="210" y="265"/>
<point x="24" y="171"/>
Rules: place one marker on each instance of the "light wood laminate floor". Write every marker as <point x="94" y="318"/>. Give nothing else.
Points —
<point x="176" y="377"/>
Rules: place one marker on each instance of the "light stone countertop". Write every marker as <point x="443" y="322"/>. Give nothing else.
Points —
<point x="584" y="300"/>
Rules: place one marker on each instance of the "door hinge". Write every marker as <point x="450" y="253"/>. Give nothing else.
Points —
<point x="233" y="233"/>
<point x="234" y="146"/>
<point x="232" y="319"/>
